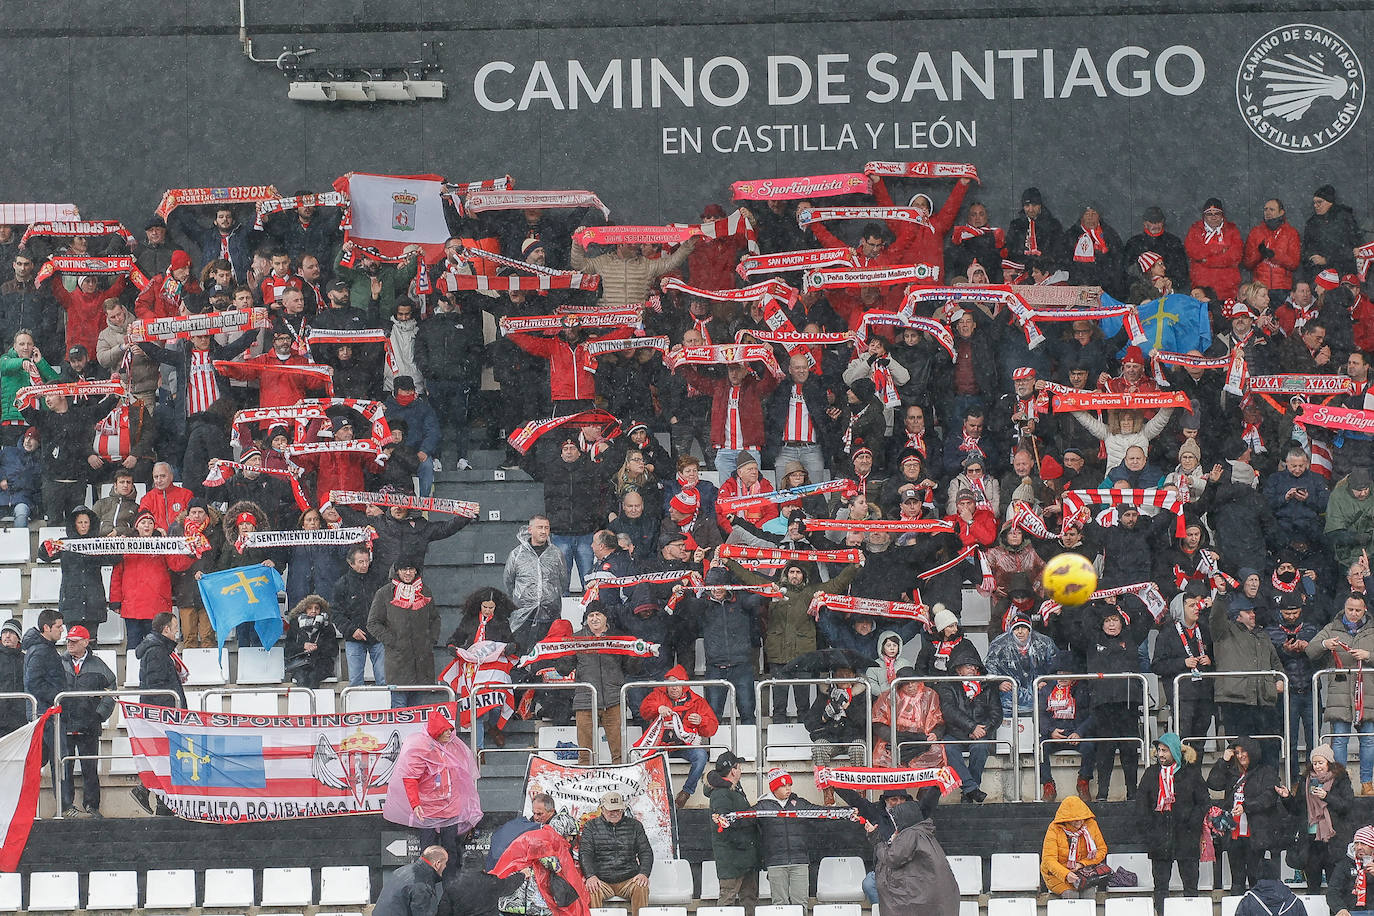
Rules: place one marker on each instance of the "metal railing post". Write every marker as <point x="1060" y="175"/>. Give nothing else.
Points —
<point x="1144" y="738"/>
<point x="894" y="748"/>
<point x="761" y="749"/>
<point x="573" y="686"/>
<point x="1284" y="740"/>
<point x="59" y="760"/>
<point x="284" y="690"/>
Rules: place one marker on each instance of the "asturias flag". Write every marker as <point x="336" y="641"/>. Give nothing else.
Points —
<point x="245" y="594"/>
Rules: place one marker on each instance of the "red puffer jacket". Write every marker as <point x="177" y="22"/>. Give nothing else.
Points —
<point x="142" y="584"/>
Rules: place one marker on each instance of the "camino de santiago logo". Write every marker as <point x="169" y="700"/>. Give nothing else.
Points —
<point x="1300" y="88"/>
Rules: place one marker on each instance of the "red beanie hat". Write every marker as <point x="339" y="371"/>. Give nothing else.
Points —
<point x="777" y="776"/>
<point x="180" y="259"/>
<point x="1328" y="279"/>
<point x="686" y="501"/>
<point x="1050" y="469"/>
<point x="1133" y="355"/>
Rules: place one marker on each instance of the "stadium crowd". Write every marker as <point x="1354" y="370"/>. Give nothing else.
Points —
<point x="1233" y="539"/>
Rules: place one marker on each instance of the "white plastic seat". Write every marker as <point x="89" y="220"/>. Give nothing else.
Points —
<point x="836" y="909"/>
<point x="287" y="887"/>
<point x="1137" y="862"/>
<point x="170" y="889"/>
<point x="131" y="666"/>
<point x="670" y="884"/>
<point x="976" y="611"/>
<point x="1315" y="904"/>
<point x="260" y="666"/>
<point x="1015" y="871"/>
<point x="1132" y="906"/>
<point x="53" y="533"/>
<point x="1204" y="878"/>
<point x="1057" y="907"/>
<point x="53" y="891"/>
<point x="298" y="702"/>
<point x="122" y="758"/>
<point x="45" y="584"/>
<point x="111" y="632"/>
<point x="226" y="887"/>
<point x="710" y="883"/>
<point x="113" y="890"/>
<point x="253" y="704"/>
<point x="11" y="892"/>
<point x="11" y="586"/>
<point x="790" y="909"/>
<point x="968" y="871"/>
<point x="1229" y="904"/>
<point x="372" y="700"/>
<point x="765" y="889"/>
<point x="345" y="885"/>
<point x="720" y="911"/>
<point x="966" y="908"/>
<point x="14" y="545"/>
<point x="572" y="610"/>
<point x="610" y="911"/>
<point x="206" y="667"/>
<point x="1187" y="906"/>
<point x="787" y="741"/>
<point x="663" y="911"/>
<point x="1011" y="906"/>
<point x="840" y="879"/>
<point x="980" y="642"/>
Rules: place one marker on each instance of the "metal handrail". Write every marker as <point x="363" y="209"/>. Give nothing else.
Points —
<point x="21" y="695"/>
<point x="282" y="690"/>
<point x="392" y="688"/>
<point x="1287" y="712"/>
<point x="625" y="748"/>
<point x="1317" y="734"/>
<point x="474" y="721"/>
<point x="1145" y="711"/>
<point x="1013" y="748"/>
<point x="60" y="761"/>
<point x="761" y="750"/>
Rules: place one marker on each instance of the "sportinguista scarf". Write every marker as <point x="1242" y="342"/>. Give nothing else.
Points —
<point x="1025" y="518"/>
<point x="801" y="188"/>
<point x="1358" y="421"/>
<point x="184" y="327"/>
<point x="862" y="778"/>
<point x="725" y="353"/>
<point x="603" y="645"/>
<point x="1066" y="402"/>
<point x="769" y="289"/>
<point x="874" y="276"/>
<point x="871" y="607"/>
<point x="922" y="170"/>
<point x="408" y="501"/>
<point x="481" y="201"/>
<point x="786" y="261"/>
<point x="408" y="595"/>
<point x="30" y="395"/>
<point x="198" y="197"/>
<point x="634" y="235"/>
<point x="523" y="439"/>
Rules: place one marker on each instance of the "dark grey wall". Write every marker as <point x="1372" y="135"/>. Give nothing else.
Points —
<point x="107" y="107"/>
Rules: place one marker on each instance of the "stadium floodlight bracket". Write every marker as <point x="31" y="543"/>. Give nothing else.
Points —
<point x="405" y="81"/>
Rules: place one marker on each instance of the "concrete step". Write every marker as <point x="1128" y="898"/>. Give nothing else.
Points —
<point x="481" y="476"/>
<point x="511" y="501"/>
<point x="474" y="543"/>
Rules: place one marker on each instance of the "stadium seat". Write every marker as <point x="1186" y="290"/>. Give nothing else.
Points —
<point x="226" y="887"/>
<point x="977" y="609"/>
<point x="765" y="889"/>
<point x="11" y="892"/>
<point x="610" y="911"/>
<point x="719" y="911"/>
<point x="1204" y="878"/>
<point x="131" y="669"/>
<point x="53" y="891"/>
<point x="345" y="885"/>
<point x="287" y="887"/>
<point x="572" y="610"/>
<point x="111" y="632"/>
<point x="1057" y="907"/>
<point x="663" y="911"/>
<point x="376" y="699"/>
<point x="258" y="703"/>
<point x="30" y="616"/>
<point x="787" y="741"/>
<point x="791" y="909"/>
<point x="14" y="545"/>
<point x="11" y="586"/>
<point x="113" y="890"/>
<point x="170" y="889"/>
<point x="968" y="871"/>
<point x="207" y="667"/>
<point x="122" y="758"/>
<point x="1015" y="871"/>
<point x="710" y="882"/>
<point x="1137" y="862"/>
<point x="298" y="702"/>
<point x="260" y="666"/>
<point x="840" y="879"/>
<point x="1129" y="906"/>
<point x="1187" y="906"/>
<point x="1011" y="906"/>
<point x="111" y="659"/>
<point x="966" y="908"/>
<point x="836" y="909"/>
<point x="1229" y="904"/>
<point x="1315" y="904"/>
<point x="670" y="883"/>
<point x="52" y="533"/>
<point x="45" y="584"/>
<point x="980" y="642"/>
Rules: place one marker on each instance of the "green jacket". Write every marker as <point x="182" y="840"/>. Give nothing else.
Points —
<point x="736" y="848"/>
<point x="1235" y="648"/>
<point x="13" y="377"/>
<point x="1349" y="524"/>
<point x="791" y="631"/>
<point x="395" y="281"/>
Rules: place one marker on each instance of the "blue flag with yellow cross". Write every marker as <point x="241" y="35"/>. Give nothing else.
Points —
<point x="245" y="594"/>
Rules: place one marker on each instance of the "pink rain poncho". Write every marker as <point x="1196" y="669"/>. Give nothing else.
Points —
<point x="439" y="777"/>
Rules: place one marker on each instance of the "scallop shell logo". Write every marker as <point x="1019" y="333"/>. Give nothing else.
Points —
<point x="1300" y="88"/>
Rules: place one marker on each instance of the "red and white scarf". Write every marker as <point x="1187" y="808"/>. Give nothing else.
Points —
<point x="863" y="778"/>
<point x="1165" y="799"/>
<point x="769" y="289"/>
<point x="778" y="497"/>
<point x="1061" y="702"/>
<point x="740" y="552"/>
<point x="1233" y="363"/>
<point x="802" y="187"/>
<point x="405" y="500"/>
<point x="1068" y="401"/>
<point x="31" y="395"/>
<point x="523" y="439"/>
<point x="922" y="169"/>
<point x="986" y="582"/>
<point x="81" y="264"/>
<point x="198" y="197"/>
<point x="869" y="607"/>
<point x="905" y="319"/>
<point x="726" y="226"/>
<point x="282" y="204"/>
<point x="787" y="261"/>
<point x="601" y="318"/>
<point x="597" y="348"/>
<point x="1076" y="501"/>
<point x="664" y="728"/>
<point x="961" y="234"/>
<point x="725" y="821"/>
<point x="1148" y="593"/>
<point x="455" y="191"/>
<point x="1081" y="837"/>
<point x="184" y="327"/>
<point x="190" y="546"/>
<point x="873" y="276"/>
<point x="326" y="537"/>
<point x="481" y="201"/>
<point x="351" y="446"/>
<point x="217" y="477"/>
<point x="1090" y="244"/>
<point x="408" y="594"/>
<point x="68" y="228"/>
<point x="1294" y="383"/>
<point x="811" y="215"/>
<point x="1359" y="421"/>
<point x="634" y="235"/>
<point x="599" y="645"/>
<point x="725" y="353"/>
<point x="895" y="525"/>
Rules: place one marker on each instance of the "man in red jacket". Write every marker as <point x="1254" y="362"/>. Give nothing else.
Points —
<point x="1214" y="250"/>
<point x="85" y="306"/>
<point x="277" y="389"/>
<point x="166" y="501"/>
<point x="572" y="378"/>
<point x="736" y="410"/>
<point x="164" y="296"/>
<point x="679" y="716"/>
<point x="1273" y="251"/>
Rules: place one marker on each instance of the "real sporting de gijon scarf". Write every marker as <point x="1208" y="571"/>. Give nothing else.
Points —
<point x="31" y="395"/>
<point x="802" y="187"/>
<point x="184" y="327"/>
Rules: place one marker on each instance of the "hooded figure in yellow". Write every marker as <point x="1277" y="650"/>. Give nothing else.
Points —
<point x="1072" y="841"/>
